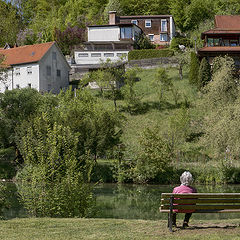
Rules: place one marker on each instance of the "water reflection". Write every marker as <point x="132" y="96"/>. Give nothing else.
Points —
<point x="142" y="202"/>
<point x="129" y="201"/>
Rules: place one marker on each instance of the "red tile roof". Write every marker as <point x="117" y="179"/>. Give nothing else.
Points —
<point x="231" y="22"/>
<point x="25" y="54"/>
<point x="220" y="49"/>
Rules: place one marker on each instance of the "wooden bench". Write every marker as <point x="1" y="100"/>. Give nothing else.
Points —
<point x="200" y="203"/>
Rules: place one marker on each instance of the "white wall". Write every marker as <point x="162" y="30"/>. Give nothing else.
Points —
<point x="53" y="82"/>
<point x="98" y="60"/>
<point x="19" y="76"/>
<point x="172" y="28"/>
<point x="110" y="33"/>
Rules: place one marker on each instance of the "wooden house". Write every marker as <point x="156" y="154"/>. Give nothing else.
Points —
<point x="159" y="28"/>
<point x="223" y="39"/>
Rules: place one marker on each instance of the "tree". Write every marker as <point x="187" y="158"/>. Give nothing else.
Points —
<point x="10" y="23"/>
<point x="131" y="98"/>
<point x="162" y="83"/>
<point x="69" y="37"/>
<point x="154" y="156"/>
<point x="223" y="89"/>
<point x="143" y="42"/>
<point x="194" y="68"/>
<point x="197" y="12"/>
<point x="113" y="5"/>
<point x="177" y="8"/>
<point x="53" y="181"/>
<point x="204" y="75"/>
<point x="183" y="58"/>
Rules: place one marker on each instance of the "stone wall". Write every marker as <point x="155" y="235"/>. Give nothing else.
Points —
<point x="153" y="62"/>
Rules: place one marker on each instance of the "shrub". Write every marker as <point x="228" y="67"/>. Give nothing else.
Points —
<point x="176" y="41"/>
<point x="204" y="74"/>
<point x="194" y="68"/>
<point x="149" y="53"/>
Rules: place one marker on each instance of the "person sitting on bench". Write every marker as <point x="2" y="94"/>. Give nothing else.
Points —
<point x="186" y="180"/>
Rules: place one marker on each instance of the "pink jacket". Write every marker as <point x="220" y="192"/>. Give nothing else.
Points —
<point x="184" y="189"/>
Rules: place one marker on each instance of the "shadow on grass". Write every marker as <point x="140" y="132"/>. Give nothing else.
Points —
<point x="145" y="107"/>
<point x="209" y="227"/>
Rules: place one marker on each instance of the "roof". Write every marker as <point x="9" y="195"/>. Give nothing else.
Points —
<point x="146" y="16"/>
<point x="220" y="49"/>
<point x="230" y="22"/>
<point x="115" y="25"/>
<point x="25" y="54"/>
<point x="225" y="24"/>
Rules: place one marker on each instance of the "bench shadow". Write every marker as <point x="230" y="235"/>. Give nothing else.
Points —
<point x="209" y="227"/>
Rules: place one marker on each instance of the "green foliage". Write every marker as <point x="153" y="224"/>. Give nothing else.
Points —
<point x="3" y="198"/>
<point x="149" y="53"/>
<point x="162" y="83"/>
<point x="16" y="105"/>
<point x="10" y="23"/>
<point x="53" y="180"/>
<point x="143" y="42"/>
<point x="176" y="41"/>
<point x="223" y="89"/>
<point x="194" y="68"/>
<point x="154" y="156"/>
<point x="131" y="98"/>
<point x="204" y="74"/>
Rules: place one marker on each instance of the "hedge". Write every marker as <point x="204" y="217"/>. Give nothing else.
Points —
<point x="149" y="53"/>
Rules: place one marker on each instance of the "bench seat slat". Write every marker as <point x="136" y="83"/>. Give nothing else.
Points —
<point x="208" y="211"/>
<point x="201" y="195"/>
<point x="205" y="200"/>
<point x="193" y="207"/>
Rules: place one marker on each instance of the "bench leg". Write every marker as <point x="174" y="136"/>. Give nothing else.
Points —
<point x="170" y="216"/>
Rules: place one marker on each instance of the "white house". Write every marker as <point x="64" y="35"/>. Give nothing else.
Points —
<point x="40" y="66"/>
<point x="107" y="42"/>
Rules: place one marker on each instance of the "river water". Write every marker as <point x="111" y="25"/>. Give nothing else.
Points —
<point x="130" y="201"/>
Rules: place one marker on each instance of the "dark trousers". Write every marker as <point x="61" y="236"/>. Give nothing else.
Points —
<point x="186" y="218"/>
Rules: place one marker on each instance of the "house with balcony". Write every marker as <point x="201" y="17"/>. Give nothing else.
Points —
<point x="159" y="28"/>
<point x="40" y="66"/>
<point x="223" y="39"/>
<point x="112" y="41"/>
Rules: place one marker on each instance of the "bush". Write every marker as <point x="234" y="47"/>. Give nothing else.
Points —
<point x="194" y="68"/>
<point x="204" y="74"/>
<point x="149" y="53"/>
<point x="176" y="41"/>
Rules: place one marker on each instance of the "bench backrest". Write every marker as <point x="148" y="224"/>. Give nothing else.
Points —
<point x="201" y="202"/>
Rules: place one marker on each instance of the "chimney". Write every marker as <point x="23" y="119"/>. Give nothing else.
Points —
<point x="112" y="17"/>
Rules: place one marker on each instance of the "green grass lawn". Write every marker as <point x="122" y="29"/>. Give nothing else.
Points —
<point x="70" y="229"/>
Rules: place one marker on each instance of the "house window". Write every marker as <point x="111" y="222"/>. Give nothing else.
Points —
<point x="210" y="42"/>
<point x="29" y="70"/>
<point x="216" y="42"/>
<point x="163" y="25"/>
<point x="233" y="43"/>
<point x="126" y="33"/>
<point x="17" y="86"/>
<point x="83" y="55"/>
<point x="151" y="37"/>
<point x="121" y="55"/>
<point x="148" y="23"/>
<point x="108" y="54"/>
<point x="163" y="37"/>
<point x="54" y="56"/>
<point x="30" y="85"/>
<point x="6" y="88"/>
<point x="226" y="42"/>
<point x="58" y="73"/>
<point x="134" y="22"/>
<point x="48" y="70"/>
<point x="95" y="54"/>
<point x="17" y="71"/>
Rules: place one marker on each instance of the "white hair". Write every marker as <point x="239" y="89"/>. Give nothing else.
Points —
<point x="186" y="178"/>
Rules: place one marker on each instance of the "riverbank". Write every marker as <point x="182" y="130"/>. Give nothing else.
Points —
<point x="73" y="228"/>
